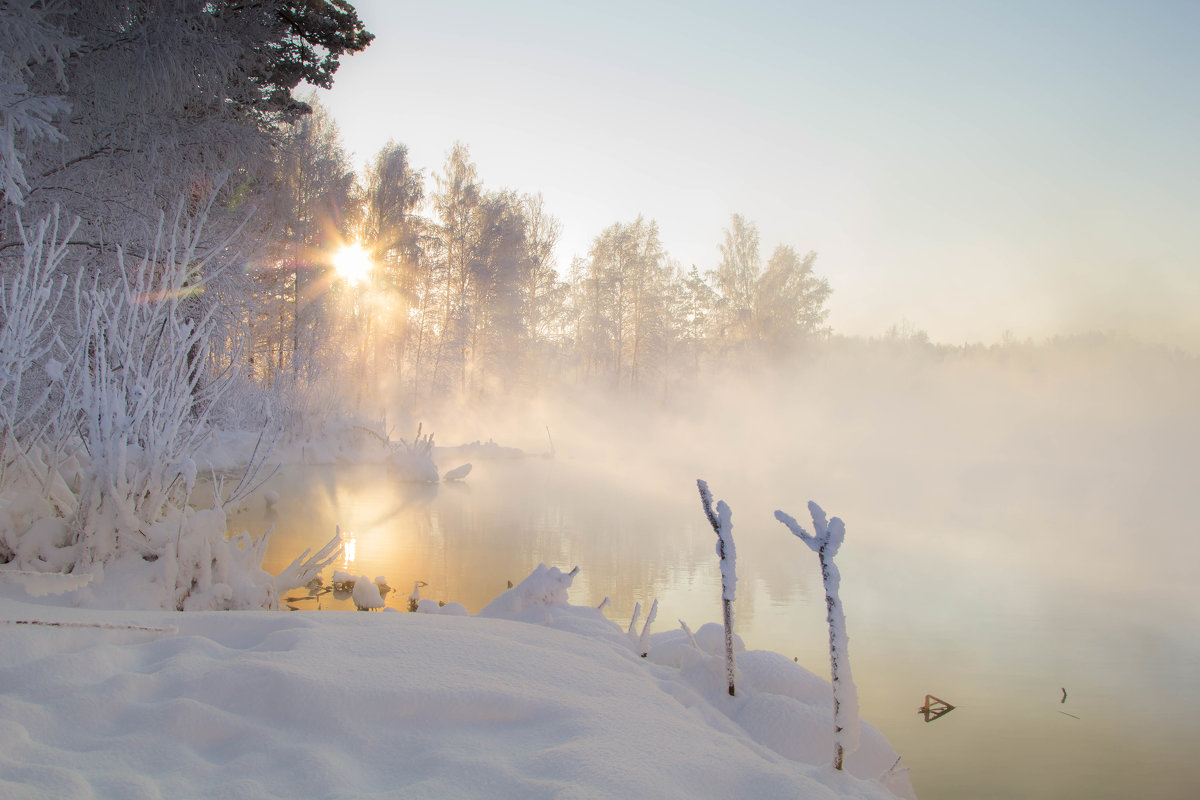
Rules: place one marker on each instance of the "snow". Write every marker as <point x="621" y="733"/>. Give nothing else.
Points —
<point x="458" y="473"/>
<point x="366" y="594"/>
<point x="262" y="704"/>
<point x="40" y="584"/>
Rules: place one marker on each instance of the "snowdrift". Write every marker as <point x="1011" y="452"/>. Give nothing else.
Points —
<point x="533" y="698"/>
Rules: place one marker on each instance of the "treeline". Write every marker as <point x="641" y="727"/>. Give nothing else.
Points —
<point x="180" y="117"/>
<point x="468" y="302"/>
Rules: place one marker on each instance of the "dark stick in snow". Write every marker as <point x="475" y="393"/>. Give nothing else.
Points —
<point x="108" y="626"/>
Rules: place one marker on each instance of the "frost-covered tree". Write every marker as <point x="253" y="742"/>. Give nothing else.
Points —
<point x="392" y="192"/>
<point x="456" y="202"/>
<point x="620" y="294"/>
<point x="32" y="35"/>
<point x="544" y="294"/>
<point x="690" y="302"/>
<point x="152" y="84"/>
<point x="391" y="233"/>
<point x="825" y="540"/>
<point x="735" y="278"/>
<point x="775" y="309"/>
<point x="317" y="179"/>
<point x="789" y="300"/>
<point x="99" y="468"/>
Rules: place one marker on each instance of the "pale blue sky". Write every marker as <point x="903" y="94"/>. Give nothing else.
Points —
<point x="969" y="167"/>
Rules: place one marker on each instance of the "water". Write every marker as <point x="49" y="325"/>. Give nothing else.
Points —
<point x="993" y="586"/>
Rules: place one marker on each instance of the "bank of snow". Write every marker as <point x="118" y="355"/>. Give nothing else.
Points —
<point x="532" y="698"/>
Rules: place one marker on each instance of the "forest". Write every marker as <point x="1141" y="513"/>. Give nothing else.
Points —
<point x="133" y="122"/>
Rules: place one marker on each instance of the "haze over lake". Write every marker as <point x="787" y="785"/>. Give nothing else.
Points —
<point x="1019" y="522"/>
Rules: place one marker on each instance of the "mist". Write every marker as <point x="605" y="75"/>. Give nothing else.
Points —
<point x="1067" y="462"/>
<point x="1019" y="517"/>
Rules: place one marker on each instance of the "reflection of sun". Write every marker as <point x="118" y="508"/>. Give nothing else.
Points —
<point x="349" y="546"/>
<point x="352" y="263"/>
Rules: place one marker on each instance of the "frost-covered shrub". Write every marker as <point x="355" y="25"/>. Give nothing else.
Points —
<point x="105" y="403"/>
<point x="140" y="400"/>
<point x="531" y="599"/>
<point x="413" y="461"/>
<point x="36" y="463"/>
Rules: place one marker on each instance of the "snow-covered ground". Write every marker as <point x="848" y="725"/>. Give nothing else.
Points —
<point x="532" y="698"/>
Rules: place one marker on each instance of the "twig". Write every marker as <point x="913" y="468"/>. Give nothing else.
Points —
<point x="108" y="626"/>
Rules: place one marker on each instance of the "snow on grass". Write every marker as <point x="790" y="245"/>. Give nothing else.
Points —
<point x="339" y="704"/>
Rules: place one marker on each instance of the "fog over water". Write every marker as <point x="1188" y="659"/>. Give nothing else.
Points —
<point x="1020" y="520"/>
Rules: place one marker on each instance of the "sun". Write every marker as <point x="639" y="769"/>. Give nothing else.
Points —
<point x="352" y="263"/>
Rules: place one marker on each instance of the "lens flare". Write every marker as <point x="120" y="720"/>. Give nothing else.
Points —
<point x="353" y="264"/>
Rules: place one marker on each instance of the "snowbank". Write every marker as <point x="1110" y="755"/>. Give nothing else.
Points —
<point x="436" y="705"/>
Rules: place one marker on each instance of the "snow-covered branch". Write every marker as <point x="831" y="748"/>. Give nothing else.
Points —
<point x="30" y="34"/>
<point x="722" y="523"/>
<point x="305" y="567"/>
<point x="825" y="541"/>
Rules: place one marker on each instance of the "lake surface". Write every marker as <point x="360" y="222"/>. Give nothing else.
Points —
<point x="993" y="583"/>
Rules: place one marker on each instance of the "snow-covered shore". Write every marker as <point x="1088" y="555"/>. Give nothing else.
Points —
<point x="531" y="698"/>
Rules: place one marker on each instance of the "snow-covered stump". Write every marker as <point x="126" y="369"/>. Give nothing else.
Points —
<point x="722" y="523"/>
<point x="825" y="542"/>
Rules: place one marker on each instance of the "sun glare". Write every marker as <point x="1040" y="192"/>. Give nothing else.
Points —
<point x="352" y="263"/>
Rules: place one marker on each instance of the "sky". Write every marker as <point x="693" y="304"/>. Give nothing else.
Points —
<point x="973" y="170"/>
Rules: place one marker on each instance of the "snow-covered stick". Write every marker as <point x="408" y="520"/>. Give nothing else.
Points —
<point x="722" y="523"/>
<point x="644" y="639"/>
<point x="691" y="636"/>
<point x="826" y="540"/>
<point x="414" y="599"/>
